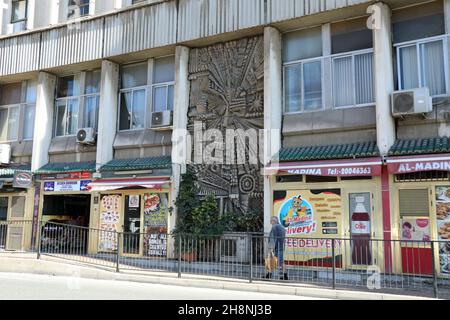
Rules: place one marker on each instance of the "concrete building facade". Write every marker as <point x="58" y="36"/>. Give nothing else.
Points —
<point x="317" y="76"/>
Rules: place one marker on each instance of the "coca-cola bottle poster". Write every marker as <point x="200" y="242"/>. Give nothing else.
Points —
<point x="311" y="218"/>
<point x="360" y="220"/>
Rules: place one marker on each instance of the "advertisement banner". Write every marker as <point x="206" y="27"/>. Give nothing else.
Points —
<point x="66" y="186"/>
<point x="155" y="222"/>
<point x="311" y="218"/>
<point x="443" y="226"/>
<point x="109" y="221"/>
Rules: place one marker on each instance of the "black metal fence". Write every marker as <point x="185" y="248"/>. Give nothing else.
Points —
<point x="414" y="267"/>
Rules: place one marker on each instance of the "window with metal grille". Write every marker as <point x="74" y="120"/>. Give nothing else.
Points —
<point x="422" y="176"/>
<point x="414" y="202"/>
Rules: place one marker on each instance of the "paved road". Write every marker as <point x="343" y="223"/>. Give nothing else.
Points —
<point x="30" y="287"/>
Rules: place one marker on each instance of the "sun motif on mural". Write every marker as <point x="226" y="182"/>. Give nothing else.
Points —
<point x="227" y="92"/>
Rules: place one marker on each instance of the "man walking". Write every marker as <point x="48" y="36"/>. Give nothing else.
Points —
<point x="276" y="243"/>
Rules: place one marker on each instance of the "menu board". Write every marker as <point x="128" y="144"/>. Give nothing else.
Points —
<point x="443" y="226"/>
<point x="155" y="223"/>
<point x="311" y="218"/>
<point x="109" y="222"/>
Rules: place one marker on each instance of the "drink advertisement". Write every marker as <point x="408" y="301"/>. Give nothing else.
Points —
<point x="109" y="222"/>
<point x="155" y="222"/>
<point x="311" y="218"/>
<point x="443" y="226"/>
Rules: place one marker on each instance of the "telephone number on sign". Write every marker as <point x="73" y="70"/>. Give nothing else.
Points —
<point x="351" y="171"/>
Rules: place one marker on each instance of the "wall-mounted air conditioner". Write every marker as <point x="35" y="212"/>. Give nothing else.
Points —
<point x="86" y="136"/>
<point x="410" y="102"/>
<point x="5" y="154"/>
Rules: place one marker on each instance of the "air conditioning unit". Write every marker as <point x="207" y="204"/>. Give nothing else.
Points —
<point x="86" y="136"/>
<point x="162" y="119"/>
<point x="5" y="153"/>
<point x="409" y="102"/>
<point x="16" y="27"/>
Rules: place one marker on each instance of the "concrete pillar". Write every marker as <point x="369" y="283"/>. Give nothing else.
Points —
<point x="384" y="76"/>
<point x="273" y="109"/>
<point x="31" y="14"/>
<point x="180" y="150"/>
<point x="447" y="16"/>
<point x="107" y="115"/>
<point x="327" y="72"/>
<point x="43" y="126"/>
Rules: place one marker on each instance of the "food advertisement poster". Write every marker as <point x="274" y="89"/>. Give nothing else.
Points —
<point x="109" y="222"/>
<point x="415" y="229"/>
<point x="311" y="218"/>
<point x="155" y="222"/>
<point x="443" y="226"/>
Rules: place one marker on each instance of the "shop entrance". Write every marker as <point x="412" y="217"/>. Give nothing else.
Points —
<point x="3" y="218"/>
<point x="60" y="212"/>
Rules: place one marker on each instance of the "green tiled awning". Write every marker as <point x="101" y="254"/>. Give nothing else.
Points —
<point x="138" y="164"/>
<point x="342" y="151"/>
<point x="420" y="146"/>
<point x="65" y="167"/>
<point x="8" y="172"/>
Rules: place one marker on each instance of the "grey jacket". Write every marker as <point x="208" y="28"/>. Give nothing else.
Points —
<point x="276" y="237"/>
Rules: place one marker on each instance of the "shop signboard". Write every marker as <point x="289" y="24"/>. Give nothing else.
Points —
<point x="66" y="176"/>
<point x="66" y="186"/>
<point x="155" y="222"/>
<point x="311" y="218"/>
<point x="343" y="168"/>
<point x="443" y="226"/>
<point x="415" y="164"/>
<point x="23" y="180"/>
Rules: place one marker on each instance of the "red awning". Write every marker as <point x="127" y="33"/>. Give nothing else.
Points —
<point x="332" y="168"/>
<point x="116" y="184"/>
<point x="410" y="164"/>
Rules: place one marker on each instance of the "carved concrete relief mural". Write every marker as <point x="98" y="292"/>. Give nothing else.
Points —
<point x="227" y="93"/>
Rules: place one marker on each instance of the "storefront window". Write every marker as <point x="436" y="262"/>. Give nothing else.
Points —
<point x="155" y="223"/>
<point x="18" y="207"/>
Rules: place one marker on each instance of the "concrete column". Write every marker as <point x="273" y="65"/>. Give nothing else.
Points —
<point x="180" y="150"/>
<point x="107" y="115"/>
<point x="384" y="76"/>
<point x="273" y="109"/>
<point x="327" y="73"/>
<point x="31" y="14"/>
<point x="447" y="15"/>
<point x="43" y="126"/>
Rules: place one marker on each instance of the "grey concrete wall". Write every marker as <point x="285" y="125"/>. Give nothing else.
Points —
<point x="330" y="127"/>
<point x="142" y="143"/>
<point x="435" y="124"/>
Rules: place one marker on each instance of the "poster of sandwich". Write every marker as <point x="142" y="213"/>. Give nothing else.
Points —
<point x="443" y="227"/>
<point x="311" y="218"/>
<point x="109" y="222"/>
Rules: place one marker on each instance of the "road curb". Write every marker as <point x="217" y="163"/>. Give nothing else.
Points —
<point x="53" y="267"/>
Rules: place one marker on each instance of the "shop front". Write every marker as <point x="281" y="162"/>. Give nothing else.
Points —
<point x="16" y="208"/>
<point x="326" y="203"/>
<point x="132" y="197"/>
<point x="420" y="188"/>
<point x="65" y="201"/>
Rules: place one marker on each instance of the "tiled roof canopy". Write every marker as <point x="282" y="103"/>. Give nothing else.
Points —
<point x="342" y="151"/>
<point x="64" y="167"/>
<point x="138" y="164"/>
<point x="420" y="146"/>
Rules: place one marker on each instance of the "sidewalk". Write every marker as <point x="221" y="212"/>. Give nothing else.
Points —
<point x="27" y="263"/>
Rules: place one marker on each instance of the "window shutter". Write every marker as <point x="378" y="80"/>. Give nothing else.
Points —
<point x="414" y="202"/>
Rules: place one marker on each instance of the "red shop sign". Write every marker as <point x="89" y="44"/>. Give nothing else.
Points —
<point x="343" y="168"/>
<point x="418" y="164"/>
